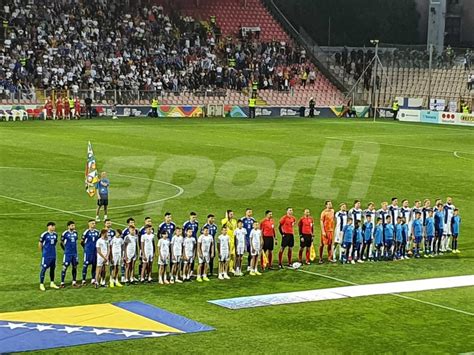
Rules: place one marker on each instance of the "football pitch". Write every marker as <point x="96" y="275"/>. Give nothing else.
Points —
<point x="209" y="166"/>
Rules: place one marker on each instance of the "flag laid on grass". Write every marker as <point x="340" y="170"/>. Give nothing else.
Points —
<point x="312" y="252"/>
<point x="92" y="177"/>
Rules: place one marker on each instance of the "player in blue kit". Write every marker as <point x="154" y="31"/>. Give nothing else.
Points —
<point x="69" y="245"/>
<point x="47" y="246"/>
<point x="367" y="230"/>
<point x="430" y="234"/>
<point x="167" y="226"/>
<point x="212" y="227"/>
<point x="398" y="238"/>
<point x="247" y="224"/>
<point x="417" y="231"/>
<point x="388" y="233"/>
<point x="378" y="239"/>
<point x="347" y="235"/>
<point x="455" y="226"/>
<point x="88" y="242"/>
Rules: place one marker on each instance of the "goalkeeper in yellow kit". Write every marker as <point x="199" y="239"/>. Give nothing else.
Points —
<point x="231" y="224"/>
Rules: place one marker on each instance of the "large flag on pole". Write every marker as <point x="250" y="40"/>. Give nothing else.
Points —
<point x="92" y="177"/>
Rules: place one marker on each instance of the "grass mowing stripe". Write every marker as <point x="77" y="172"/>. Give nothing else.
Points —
<point x="392" y="294"/>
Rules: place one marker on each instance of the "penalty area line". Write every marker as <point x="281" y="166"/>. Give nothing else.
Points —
<point x="392" y="294"/>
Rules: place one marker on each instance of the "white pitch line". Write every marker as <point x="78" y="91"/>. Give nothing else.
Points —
<point x="51" y="208"/>
<point x="460" y="157"/>
<point x="179" y="188"/>
<point x="393" y="145"/>
<point x="392" y="294"/>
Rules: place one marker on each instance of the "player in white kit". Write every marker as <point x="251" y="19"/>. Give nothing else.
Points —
<point x="223" y="241"/>
<point x="130" y="246"/>
<point x="163" y="257"/>
<point x="116" y="249"/>
<point x="102" y="247"/>
<point x="256" y="242"/>
<point x="177" y="243"/>
<point x="239" y="241"/>
<point x="205" y="250"/>
<point x="189" y="246"/>
<point x="448" y="216"/>
<point x="341" y="221"/>
<point x="147" y="248"/>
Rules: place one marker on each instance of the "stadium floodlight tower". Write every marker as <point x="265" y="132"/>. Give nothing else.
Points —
<point x="436" y="25"/>
<point x="373" y="64"/>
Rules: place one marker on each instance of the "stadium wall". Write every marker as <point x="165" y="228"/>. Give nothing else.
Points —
<point x="436" y="117"/>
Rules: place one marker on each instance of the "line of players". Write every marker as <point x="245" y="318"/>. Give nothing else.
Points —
<point x="346" y="237"/>
<point x="63" y="108"/>
<point x="391" y="232"/>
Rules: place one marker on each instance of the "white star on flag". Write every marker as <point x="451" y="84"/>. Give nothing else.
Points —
<point x="101" y="331"/>
<point x="14" y="325"/>
<point x="41" y="327"/>
<point x="155" y="335"/>
<point x="70" y="330"/>
<point x="129" y="334"/>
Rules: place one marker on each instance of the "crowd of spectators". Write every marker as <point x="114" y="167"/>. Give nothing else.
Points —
<point x="116" y="45"/>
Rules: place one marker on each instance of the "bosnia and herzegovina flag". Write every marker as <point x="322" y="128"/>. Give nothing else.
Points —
<point x="68" y="326"/>
<point x="92" y="177"/>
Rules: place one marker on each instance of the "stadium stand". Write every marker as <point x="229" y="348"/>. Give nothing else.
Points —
<point x="116" y="51"/>
<point x="405" y="72"/>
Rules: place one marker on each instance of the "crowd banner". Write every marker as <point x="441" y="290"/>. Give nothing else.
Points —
<point x="429" y="116"/>
<point x="409" y="115"/>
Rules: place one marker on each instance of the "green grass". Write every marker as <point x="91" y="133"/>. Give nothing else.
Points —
<point x="376" y="161"/>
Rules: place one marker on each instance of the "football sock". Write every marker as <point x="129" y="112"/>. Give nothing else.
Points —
<point x="74" y="273"/>
<point x="300" y="255"/>
<point x="290" y="253"/>
<point x="63" y="273"/>
<point x="321" y="249"/>
<point x="42" y="273"/>
<point x="280" y="257"/>
<point x="84" y="272"/>
<point x="93" y="271"/>
<point x="307" y="255"/>
<point x="270" y="258"/>
<point x="51" y="273"/>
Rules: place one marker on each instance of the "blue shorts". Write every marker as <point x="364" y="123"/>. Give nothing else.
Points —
<point x="70" y="260"/>
<point x="439" y="232"/>
<point x="389" y="243"/>
<point x="418" y="238"/>
<point x="430" y="237"/>
<point x="367" y="241"/>
<point x="346" y="245"/>
<point x="90" y="259"/>
<point x="379" y="245"/>
<point x="455" y="235"/>
<point x="48" y="262"/>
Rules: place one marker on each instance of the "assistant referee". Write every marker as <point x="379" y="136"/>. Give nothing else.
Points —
<point x="267" y="227"/>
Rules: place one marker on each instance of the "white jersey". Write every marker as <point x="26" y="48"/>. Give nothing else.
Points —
<point x="240" y="235"/>
<point x="341" y="220"/>
<point x="102" y="245"/>
<point x="116" y="244"/>
<point x="224" y="243"/>
<point x="255" y="236"/>
<point x="448" y="210"/>
<point x="177" y="245"/>
<point x="131" y="241"/>
<point x="394" y="213"/>
<point x="189" y="244"/>
<point x="206" y="243"/>
<point x="147" y="240"/>
<point x="356" y="214"/>
<point x="164" y="246"/>
<point x="406" y="212"/>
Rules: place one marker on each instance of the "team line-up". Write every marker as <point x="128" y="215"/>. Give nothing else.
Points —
<point x="389" y="233"/>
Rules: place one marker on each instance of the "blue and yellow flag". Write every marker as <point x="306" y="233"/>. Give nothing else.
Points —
<point x="42" y="329"/>
<point x="92" y="177"/>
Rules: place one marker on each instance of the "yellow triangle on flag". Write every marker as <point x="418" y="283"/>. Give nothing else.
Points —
<point x="96" y="316"/>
